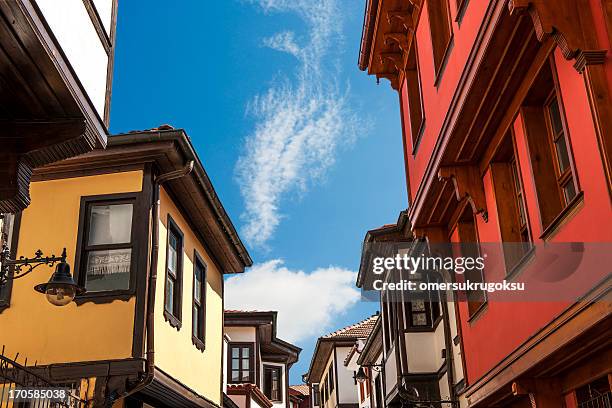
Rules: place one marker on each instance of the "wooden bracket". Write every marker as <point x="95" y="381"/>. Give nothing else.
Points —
<point x="574" y="36"/>
<point x="589" y="57"/>
<point x="400" y="38"/>
<point x="396" y="59"/>
<point x="468" y="185"/>
<point x="404" y="17"/>
<point x="393" y="77"/>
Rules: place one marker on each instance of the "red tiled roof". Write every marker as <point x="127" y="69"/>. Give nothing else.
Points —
<point x="359" y="330"/>
<point x="301" y="388"/>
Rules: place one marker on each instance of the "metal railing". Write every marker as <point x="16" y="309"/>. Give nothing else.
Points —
<point x="599" y="401"/>
<point x="15" y="378"/>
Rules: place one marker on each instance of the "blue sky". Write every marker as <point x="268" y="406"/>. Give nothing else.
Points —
<point x="303" y="148"/>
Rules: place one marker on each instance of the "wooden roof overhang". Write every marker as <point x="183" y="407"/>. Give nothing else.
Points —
<point x="398" y="232"/>
<point x="481" y="112"/>
<point x="166" y="150"/>
<point x="272" y="348"/>
<point x="373" y="347"/>
<point x="45" y="114"/>
<point x="320" y="356"/>
<point x="387" y="37"/>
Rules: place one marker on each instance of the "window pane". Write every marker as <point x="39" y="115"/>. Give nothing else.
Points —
<point x="245" y="352"/>
<point x="195" y="322"/>
<point x="569" y="191"/>
<point x="419" y="319"/>
<point x="169" y="294"/>
<point x="562" y="156"/>
<point x="172" y="252"/>
<point x="108" y="270"/>
<point x="245" y="376"/>
<point x="555" y="116"/>
<point x="235" y="352"/>
<point x="197" y="287"/>
<point x="235" y="364"/>
<point x="245" y="363"/>
<point x="235" y="376"/>
<point x="418" y="306"/>
<point x="110" y="224"/>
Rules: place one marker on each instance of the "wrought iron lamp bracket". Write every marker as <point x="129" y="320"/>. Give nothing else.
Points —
<point x="24" y="266"/>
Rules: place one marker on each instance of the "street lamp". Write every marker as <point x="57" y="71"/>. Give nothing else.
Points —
<point x="361" y="376"/>
<point x="61" y="288"/>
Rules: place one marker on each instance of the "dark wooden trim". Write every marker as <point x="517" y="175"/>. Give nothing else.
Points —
<point x="110" y="65"/>
<point x="252" y="361"/>
<point x="282" y="380"/>
<point x="5" y="299"/>
<point x="145" y="239"/>
<point x="335" y="374"/>
<point x="442" y="68"/>
<point x="567" y="213"/>
<point x="168" y="391"/>
<point x="564" y="329"/>
<point x="137" y="246"/>
<point x="462" y="6"/>
<point x="94" y="16"/>
<point x="199" y="343"/>
<point x="171" y="317"/>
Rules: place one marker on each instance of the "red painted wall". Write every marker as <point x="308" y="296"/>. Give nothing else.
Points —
<point x="504" y="326"/>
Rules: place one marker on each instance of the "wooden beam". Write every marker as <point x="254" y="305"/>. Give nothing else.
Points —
<point x="468" y="184"/>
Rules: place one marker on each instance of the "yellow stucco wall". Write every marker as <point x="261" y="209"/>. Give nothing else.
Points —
<point x="49" y="334"/>
<point x="174" y="352"/>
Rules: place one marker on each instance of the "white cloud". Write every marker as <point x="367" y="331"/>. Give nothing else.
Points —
<point x="306" y="303"/>
<point x="300" y="123"/>
<point x="284" y="42"/>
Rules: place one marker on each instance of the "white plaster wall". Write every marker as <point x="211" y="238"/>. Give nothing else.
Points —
<point x="424" y="350"/>
<point x="444" y="391"/>
<point x="390" y="370"/>
<point x="241" y="334"/>
<point x="346" y="382"/>
<point x="79" y="40"/>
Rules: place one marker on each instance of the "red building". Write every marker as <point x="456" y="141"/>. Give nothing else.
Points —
<point x="506" y="110"/>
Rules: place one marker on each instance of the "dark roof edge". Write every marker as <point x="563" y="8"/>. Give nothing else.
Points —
<point x="199" y="172"/>
<point x="369" y="19"/>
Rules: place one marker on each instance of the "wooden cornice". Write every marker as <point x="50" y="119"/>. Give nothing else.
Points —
<point x="575" y="37"/>
<point x="401" y="39"/>
<point x="468" y="185"/>
<point x="404" y="16"/>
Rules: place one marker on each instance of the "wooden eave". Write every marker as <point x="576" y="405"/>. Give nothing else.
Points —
<point x="272" y="348"/>
<point x="320" y="356"/>
<point x="373" y="346"/>
<point x="401" y="231"/>
<point x="480" y="113"/>
<point x="167" y="150"/>
<point x="387" y="38"/>
<point x="45" y="114"/>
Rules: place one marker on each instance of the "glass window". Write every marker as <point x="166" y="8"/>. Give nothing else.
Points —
<point x="107" y="250"/>
<point x="241" y="363"/>
<point x="272" y="383"/>
<point x="199" y="301"/>
<point x="174" y="274"/>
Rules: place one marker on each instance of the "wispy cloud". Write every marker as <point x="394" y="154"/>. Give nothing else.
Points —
<point x="306" y="302"/>
<point x="300" y="122"/>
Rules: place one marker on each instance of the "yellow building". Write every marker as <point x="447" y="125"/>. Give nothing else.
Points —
<point x="149" y="240"/>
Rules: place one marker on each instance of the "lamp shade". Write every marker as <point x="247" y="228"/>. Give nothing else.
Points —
<point x="361" y="376"/>
<point x="61" y="288"/>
